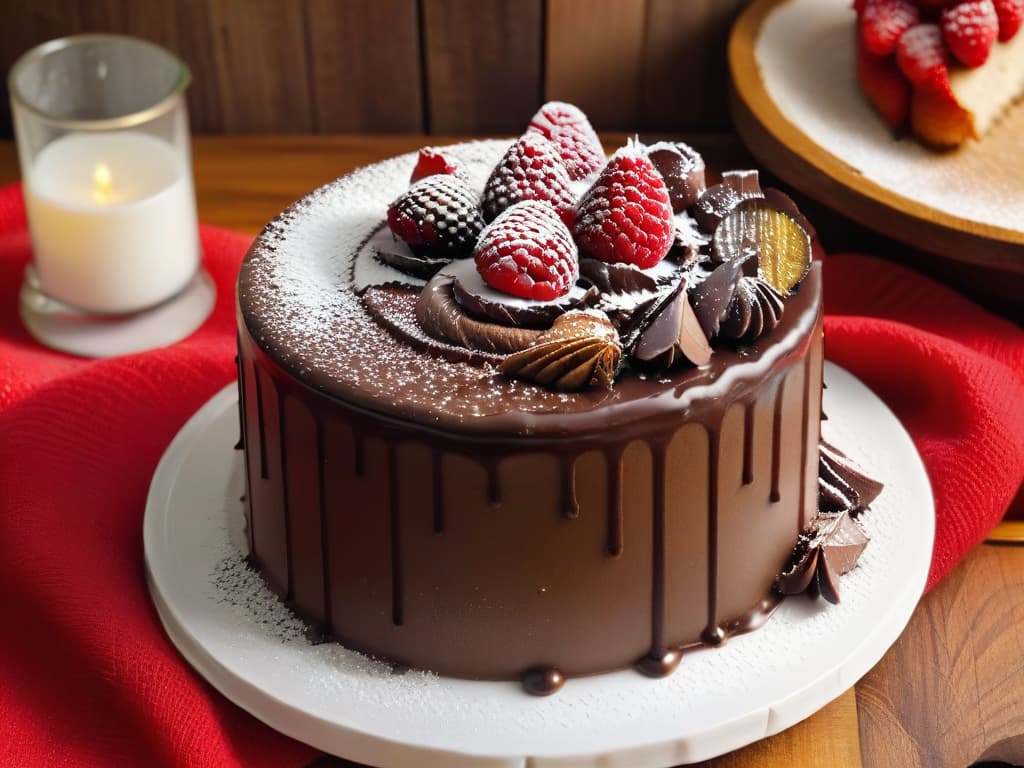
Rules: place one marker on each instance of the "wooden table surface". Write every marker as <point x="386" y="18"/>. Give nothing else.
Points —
<point x="950" y="691"/>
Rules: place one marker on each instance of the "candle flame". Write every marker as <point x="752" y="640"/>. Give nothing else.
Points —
<point x="102" y="182"/>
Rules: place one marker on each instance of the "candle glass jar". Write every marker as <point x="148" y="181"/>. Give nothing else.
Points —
<point x="102" y="132"/>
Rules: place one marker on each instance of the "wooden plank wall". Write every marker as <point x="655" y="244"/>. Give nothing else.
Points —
<point x="410" y="66"/>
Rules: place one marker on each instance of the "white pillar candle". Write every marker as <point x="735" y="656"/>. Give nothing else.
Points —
<point x="113" y="220"/>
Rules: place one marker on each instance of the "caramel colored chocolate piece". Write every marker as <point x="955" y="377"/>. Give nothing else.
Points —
<point x="581" y="349"/>
<point x="673" y="333"/>
<point x="782" y="246"/>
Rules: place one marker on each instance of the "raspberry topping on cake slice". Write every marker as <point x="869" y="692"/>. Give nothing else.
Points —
<point x="528" y="252"/>
<point x="969" y="31"/>
<point x="626" y="216"/>
<point x="883" y="22"/>
<point x="530" y="170"/>
<point x="884" y="85"/>
<point x="922" y="57"/>
<point x="438" y="214"/>
<point x="567" y="127"/>
<point x="1010" y="14"/>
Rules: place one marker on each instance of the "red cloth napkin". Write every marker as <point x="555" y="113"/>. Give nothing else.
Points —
<point x="87" y="676"/>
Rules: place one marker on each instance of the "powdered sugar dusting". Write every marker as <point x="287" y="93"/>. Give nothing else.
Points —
<point x="806" y="52"/>
<point x="300" y="292"/>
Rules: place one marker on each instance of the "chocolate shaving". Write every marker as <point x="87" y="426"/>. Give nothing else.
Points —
<point x="842" y="485"/>
<point x="441" y="316"/>
<point x="719" y="200"/>
<point x="616" y="278"/>
<point x="673" y="334"/>
<point x="581" y="349"/>
<point x="409" y="262"/>
<point x="711" y="298"/>
<point x="830" y="547"/>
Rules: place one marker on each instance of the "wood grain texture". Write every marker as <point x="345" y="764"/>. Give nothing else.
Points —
<point x="261" y="66"/>
<point x="684" y="84"/>
<point x="594" y="58"/>
<point x="483" y="63"/>
<point x="787" y="151"/>
<point x="951" y="690"/>
<point x="364" y="61"/>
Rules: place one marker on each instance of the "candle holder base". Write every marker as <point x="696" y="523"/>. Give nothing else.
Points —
<point x="66" y="329"/>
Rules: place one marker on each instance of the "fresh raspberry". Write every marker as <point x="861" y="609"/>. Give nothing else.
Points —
<point x="530" y="170"/>
<point x="884" y="85"/>
<point x="528" y="252"/>
<point x="883" y="22"/>
<point x="438" y="213"/>
<point x="934" y="4"/>
<point x="922" y="57"/>
<point x="431" y="162"/>
<point x="1010" y="14"/>
<point x="626" y="216"/>
<point x="969" y="30"/>
<point x="565" y="126"/>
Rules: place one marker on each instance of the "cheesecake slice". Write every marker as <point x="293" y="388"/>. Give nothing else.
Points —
<point x="983" y="94"/>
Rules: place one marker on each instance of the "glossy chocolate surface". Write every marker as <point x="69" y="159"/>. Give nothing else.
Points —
<point x="438" y="515"/>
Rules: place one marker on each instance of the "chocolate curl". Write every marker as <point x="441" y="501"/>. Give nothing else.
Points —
<point x="673" y="333"/>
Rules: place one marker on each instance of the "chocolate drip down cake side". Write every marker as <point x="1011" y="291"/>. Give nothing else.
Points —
<point x="526" y="412"/>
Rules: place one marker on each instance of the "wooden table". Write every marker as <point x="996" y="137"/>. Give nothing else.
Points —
<point x="950" y="692"/>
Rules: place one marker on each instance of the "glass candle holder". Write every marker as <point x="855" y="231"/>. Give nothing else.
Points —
<point x="102" y="132"/>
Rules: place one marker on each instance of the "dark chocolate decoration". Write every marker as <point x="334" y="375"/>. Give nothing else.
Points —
<point x="830" y="547"/>
<point x="842" y="485"/>
<point x="484" y="302"/>
<point x="405" y="260"/>
<point x="542" y="681"/>
<point x="616" y="278"/>
<point x="441" y="316"/>
<point x="673" y="334"/>
<point x="711" y="298"/>
<point x="718" y="201"/>
<point x="581" y="349"/>
<point x="755" y="310"/>
<point x="682" y="167"/>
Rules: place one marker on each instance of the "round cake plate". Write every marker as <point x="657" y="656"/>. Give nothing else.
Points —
<point x="231" y="628"/>
<point x="797" y="104"/>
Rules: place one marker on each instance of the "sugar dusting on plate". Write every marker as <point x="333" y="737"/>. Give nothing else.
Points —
<point x="806" y="52"/>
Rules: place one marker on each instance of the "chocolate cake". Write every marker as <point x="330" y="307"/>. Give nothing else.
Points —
<point x="452" y="477"/>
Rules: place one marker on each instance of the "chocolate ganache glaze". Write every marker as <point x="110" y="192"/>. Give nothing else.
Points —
<point x="441" y="515"/>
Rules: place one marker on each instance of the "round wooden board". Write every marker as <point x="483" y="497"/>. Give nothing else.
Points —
<point x="787" y="150"/>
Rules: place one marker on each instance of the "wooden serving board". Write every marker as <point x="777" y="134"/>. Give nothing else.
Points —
<point x="819" y="134"/>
